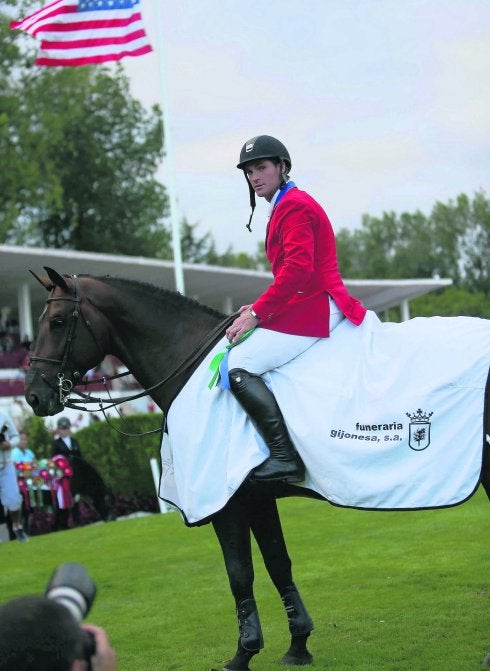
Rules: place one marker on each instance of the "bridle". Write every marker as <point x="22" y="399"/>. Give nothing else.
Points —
<point x="65" y="385"/>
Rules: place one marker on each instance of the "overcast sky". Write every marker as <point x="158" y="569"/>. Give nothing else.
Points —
<point x="384" y="105"/>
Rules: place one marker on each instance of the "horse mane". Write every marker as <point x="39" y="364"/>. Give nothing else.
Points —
<point x="160" y="295"/>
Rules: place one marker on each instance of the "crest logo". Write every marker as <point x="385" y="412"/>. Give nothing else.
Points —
<point x="249" y="147"/>
<point x="419" y="430"/>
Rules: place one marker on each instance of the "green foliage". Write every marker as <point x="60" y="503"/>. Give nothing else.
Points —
<point x="82" y="155"/>
<point x="203" y="250"/>
<point x="476" y="245"/>
<point x="453" y="241"/>
<point x="123" y="461"/>
<point x="231" y="259"/>
<point x="39" y="437"/>
<point x="451" y="302"/>
<point x="400" y="591"/>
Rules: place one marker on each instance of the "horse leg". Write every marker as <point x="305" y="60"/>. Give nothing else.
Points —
<point x="485" y="479"/>
<point x="267" y="529"/>
<point x="233" y="532"/>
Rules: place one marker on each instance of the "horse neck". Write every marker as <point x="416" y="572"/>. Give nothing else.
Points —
<point x="151" y="336"/>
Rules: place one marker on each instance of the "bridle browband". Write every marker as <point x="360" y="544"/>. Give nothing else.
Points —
<point x="66" y="385"/>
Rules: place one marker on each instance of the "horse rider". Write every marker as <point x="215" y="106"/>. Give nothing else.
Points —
<point x="306" y="300"/>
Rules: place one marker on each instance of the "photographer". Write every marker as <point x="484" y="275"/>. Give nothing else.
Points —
<point x="45" y="634"/>
<point x="38" y="634"/>
<point x="9" y="489"/>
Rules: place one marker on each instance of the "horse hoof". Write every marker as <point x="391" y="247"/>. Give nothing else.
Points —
<point x="297" y="660"/>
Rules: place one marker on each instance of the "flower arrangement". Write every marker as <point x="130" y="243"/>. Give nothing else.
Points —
<point x="45" y="475"/>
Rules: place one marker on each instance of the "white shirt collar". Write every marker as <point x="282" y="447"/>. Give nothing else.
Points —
<point x="273" y="202"/>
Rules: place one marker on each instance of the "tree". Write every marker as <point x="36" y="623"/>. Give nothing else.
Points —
<point x="449" y="302"/>
<point x="18" y="178"/>
<point x="83" y="154"/>
<point x="453" y="241"/>
<point x="40" y="438"/>
<point x="476" y="243"/>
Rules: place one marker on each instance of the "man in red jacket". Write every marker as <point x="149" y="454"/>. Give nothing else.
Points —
<point x="306" y="300"/>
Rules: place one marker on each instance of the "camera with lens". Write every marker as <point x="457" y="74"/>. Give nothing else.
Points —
<point x="71" y="586"/>
<point x="4" y="430"/>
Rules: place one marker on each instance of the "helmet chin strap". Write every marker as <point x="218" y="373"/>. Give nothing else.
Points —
<point x="252" y="202"/>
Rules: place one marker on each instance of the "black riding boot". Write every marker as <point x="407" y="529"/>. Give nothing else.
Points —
<point x="260" y="405"/>
<point x="300" y="626"/>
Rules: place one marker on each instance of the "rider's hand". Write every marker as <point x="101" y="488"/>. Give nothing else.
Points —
<point x="243" y="323"/>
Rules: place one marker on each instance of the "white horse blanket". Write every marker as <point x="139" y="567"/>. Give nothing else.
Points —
<point x="384" y="416"/>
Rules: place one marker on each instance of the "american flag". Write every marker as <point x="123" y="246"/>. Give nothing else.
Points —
<point x="88" y="31"/>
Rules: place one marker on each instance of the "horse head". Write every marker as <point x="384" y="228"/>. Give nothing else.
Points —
<point x="66" y="347"/>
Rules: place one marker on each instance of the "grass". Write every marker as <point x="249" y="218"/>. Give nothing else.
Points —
<point x="407" y="591"/>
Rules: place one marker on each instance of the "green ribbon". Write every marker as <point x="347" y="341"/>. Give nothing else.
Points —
<point x="218" y="358"/>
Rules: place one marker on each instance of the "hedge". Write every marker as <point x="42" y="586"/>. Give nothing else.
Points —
<point x="123" y="462"/>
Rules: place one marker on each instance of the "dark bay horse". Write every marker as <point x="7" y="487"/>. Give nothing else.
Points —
<point x="151" y="331"/>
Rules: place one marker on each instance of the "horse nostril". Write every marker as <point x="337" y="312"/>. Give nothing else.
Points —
<point x="33" y="400"/>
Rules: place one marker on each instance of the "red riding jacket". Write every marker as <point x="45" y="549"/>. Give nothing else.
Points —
<point x="300" y="245"/>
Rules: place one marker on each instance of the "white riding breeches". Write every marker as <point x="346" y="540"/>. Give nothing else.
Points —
<point x="266" y="350"/>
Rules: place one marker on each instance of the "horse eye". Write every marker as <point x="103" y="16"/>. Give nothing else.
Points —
<point x="57" y="323"/>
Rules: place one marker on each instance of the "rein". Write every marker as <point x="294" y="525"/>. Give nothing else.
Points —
<point x="66" y="385"/>
<point x="199" y="352"/>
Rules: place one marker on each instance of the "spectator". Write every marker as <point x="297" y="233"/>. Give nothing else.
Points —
<point x="38" y="634"/>
<point x="7" y="343"/>
<point x="65" y="444"/>
<point x="22" y="453"/>
<point x="10" y="495"/>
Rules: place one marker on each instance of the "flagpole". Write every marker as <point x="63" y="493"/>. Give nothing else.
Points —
<point x="176" y="246"/>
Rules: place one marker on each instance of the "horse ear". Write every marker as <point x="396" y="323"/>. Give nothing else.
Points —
<point x="47" y="286"/>
<point x="56" y="278"/>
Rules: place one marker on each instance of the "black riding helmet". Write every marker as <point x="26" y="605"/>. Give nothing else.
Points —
<point x="261" y="146"/>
